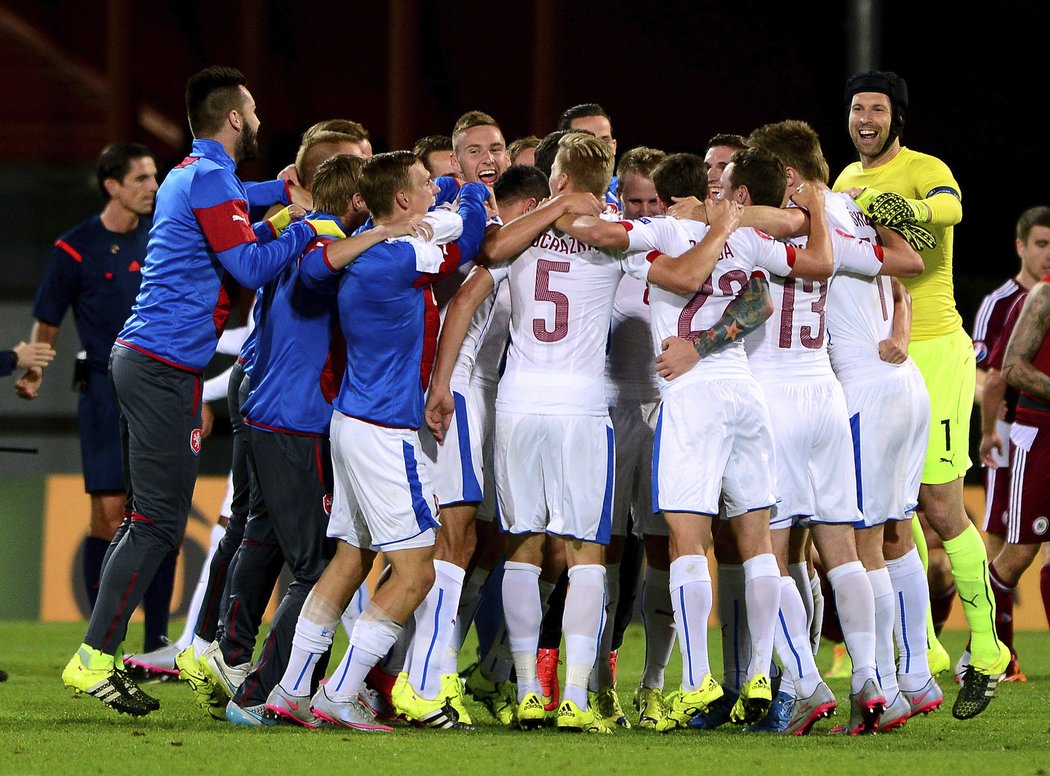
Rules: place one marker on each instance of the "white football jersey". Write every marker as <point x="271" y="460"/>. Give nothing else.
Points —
<point x="685" y="315"/>
<point x="486" y="340"/>
<point x="630" y="371"/>
<point x="860" y="301"/>
<point x="792" y="343"/>
<point x="561" y="293"/>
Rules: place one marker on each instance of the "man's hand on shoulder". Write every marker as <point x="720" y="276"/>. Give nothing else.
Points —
<point x="580" y="204"/>
<point x="688" y="208"/>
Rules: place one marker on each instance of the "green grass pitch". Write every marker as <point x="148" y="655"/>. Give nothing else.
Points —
<point x="43" y="730"/>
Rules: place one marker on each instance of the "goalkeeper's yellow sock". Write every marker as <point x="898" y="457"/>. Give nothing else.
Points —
<point x="970" y="569"/>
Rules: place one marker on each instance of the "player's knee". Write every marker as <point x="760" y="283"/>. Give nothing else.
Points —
<point x="421" y="580"/>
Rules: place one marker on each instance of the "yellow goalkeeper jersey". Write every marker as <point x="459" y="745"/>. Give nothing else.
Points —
<point x="921" y="177"/>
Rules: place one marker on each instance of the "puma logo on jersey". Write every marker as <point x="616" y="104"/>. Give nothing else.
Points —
<point x="970" y="601"/>
<point x="239" y="218"/>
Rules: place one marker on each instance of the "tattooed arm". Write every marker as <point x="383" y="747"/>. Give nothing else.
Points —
<point x="1031" y="329"/>
<point x="749" y="310"/>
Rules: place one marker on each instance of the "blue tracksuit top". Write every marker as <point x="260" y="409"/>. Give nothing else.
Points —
<point x="201" y="244"/>
<point x="383" y="300"/>
<point x="292" y="338"/>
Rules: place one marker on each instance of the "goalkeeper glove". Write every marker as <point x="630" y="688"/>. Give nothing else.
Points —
<point x="891" y="209"/>
<point x="919" y="238"/>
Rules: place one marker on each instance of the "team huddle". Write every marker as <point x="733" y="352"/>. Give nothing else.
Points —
<point x="490" y="366"/>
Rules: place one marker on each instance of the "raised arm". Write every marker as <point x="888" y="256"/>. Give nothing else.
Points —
<point x="608" y="235"/>
<point x="687" y="273"/>
<point x="222" y="213"/>
<point x="780" y="222"/>
<point x="899" y="259"/>
<point x="340" y="253"/>
<point x="509" y="240"/>
<point x="816" y="261"/>
<point x="939" y="202"/>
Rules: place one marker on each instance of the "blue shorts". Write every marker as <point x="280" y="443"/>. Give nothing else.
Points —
<point x="98" y="418"/>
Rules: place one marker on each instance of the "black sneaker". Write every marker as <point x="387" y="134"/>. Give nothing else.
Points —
<point x="977" y="691"/>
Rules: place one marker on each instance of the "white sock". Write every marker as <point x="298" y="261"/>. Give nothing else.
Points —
<point x="732" y="614"/>
<point x="885" y="669"/>
<point x="469" y="598"/>
<point x="690" y="587"/>
<point x="355" y="608"/>
<point x="395" y="660"/>
<point x="582" y="625"/>
<point x="855" y="603"/>
<point x="911" y="590"/>
<point x="799" y="573"/>
<point x="817" y="623"/>
<point x="374" y="635"/>
<point x="762" y="591"/>
<point x="435" y="621"/>
<point x="314" y="632"/>
<point x="194" y="610"/>
<point x="792" y="642"/>
<point x="497" y="664"/>
<point x="658" y="618"/>
<point x="523" y="613"/>
<point x="601" y="676"/>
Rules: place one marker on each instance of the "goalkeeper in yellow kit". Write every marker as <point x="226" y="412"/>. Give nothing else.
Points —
<point x="917" y="193"/>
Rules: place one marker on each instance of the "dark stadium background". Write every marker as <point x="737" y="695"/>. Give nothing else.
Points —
<point x="80" y="74"/>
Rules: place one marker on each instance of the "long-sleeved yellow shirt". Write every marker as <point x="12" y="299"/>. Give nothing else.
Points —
<point x="922" y="177"/>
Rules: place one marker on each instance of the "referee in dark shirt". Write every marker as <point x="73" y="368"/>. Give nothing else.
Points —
<point x="95" y="268"/>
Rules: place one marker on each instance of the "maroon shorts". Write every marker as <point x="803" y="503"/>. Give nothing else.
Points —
<point x="996" y="500"/>
<point x="1028" y="520"/>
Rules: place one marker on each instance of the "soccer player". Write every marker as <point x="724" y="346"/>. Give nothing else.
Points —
<point x="1021" y="351"/>
<point x="201" y="241"/>
<point x="435" y="152"/>
<point x="632" y="393"/>
<point x="998" y="404"/>
<point x="720" y="150"/>
<point x="554" y="454"/>
<point x="1026" y="366"/>
<point x="383" y="496"/>
<point x="287" y="418"/>
<point x="816" y="485"/>
<point x="901" y="186"/>
<point x="95" y="269"/>
<point x="465" y="379"/>
<point x="523" y="150"/>
<point x="462" y="479"/>
<point x="591" y="117"/>
<point x="479" y="152"/>
<point x="743" y="479"/>
<point x="353" y="132"/>
<point x="259" y="559"/>
<point x="537" y="436"/>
